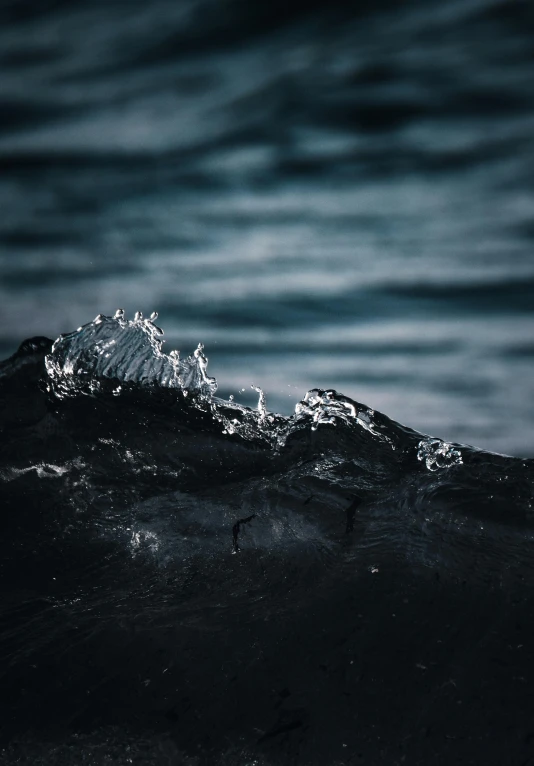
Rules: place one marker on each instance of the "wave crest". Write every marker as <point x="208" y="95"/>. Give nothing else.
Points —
<point x="126" y="351"/>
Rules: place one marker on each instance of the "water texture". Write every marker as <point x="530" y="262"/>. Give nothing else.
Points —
<point x="186" y="580"/>
<point x="324" y="196"/>
<point x="295" y="558"/>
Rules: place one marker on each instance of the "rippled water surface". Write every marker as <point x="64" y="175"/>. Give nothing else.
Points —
<point x="324" y="197"/>
<point x="266" y="560"/>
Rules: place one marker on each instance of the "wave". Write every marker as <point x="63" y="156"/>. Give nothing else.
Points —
<point x="105" y="354"/>
<point x="121" y="362"/>
<point x="179" y="539"/>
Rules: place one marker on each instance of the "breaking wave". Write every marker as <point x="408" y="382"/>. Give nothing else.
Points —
<point x="144" y="519"/>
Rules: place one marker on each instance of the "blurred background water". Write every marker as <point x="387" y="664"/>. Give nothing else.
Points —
<point x="335" y="195"/>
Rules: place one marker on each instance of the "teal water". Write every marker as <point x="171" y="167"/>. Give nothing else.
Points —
<point x="324" y="197"/>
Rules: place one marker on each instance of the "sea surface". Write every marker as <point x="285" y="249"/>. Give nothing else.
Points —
<point x="266" y="413"/>
<point x="323" y="195"/>
<point x="189" y="581"/>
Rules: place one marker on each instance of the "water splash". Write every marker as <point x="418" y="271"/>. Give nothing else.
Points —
<point x="438" y="454"/>
<point x="262" y="401"/>
<point x="110" y="352"/>
<point x="329" y="407"/>
<point x="124" y="350"/>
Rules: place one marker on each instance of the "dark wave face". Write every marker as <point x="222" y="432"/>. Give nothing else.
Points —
<point x="187" y="580"/>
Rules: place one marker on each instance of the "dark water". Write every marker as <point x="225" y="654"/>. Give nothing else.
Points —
<point x="335" y="200"/>
<point x="189" y="581"/>
<point x="324" y="196"/>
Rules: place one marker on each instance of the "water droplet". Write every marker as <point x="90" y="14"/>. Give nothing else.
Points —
<point x="153" y="316"/>
<point x="138" y="316"/>
<point x="119" y="314"/>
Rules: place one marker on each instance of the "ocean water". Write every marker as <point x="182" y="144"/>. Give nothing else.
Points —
<point x="186" y="580"/>
<point x="262" y="538"/>
<point x="336" y="197"/>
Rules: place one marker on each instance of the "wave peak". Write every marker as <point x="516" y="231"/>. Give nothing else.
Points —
<point x="128" y="351"/>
